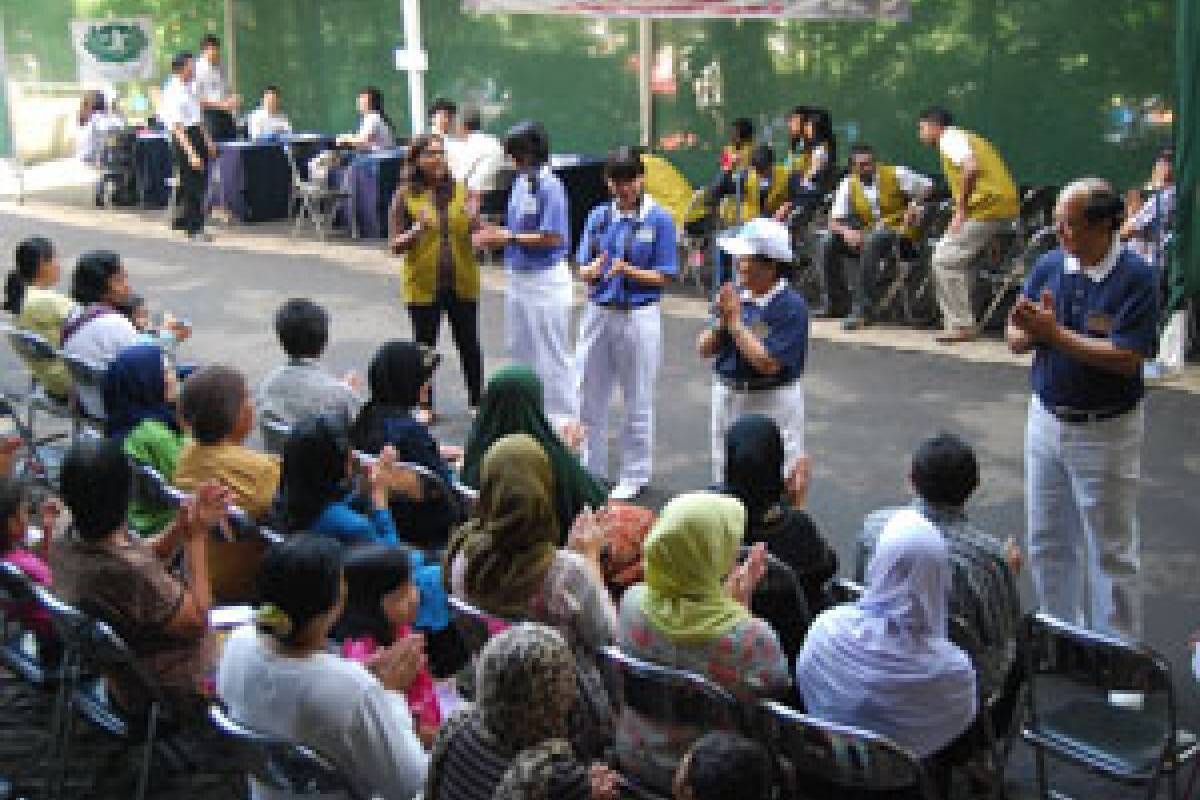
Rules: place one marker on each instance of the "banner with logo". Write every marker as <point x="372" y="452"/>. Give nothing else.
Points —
<point x="114" y="50"/>
<point x="806" y="9"/>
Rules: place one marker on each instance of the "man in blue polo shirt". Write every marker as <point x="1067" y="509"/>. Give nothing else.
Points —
<point x="1090" y="314"/>
<point x="536" y="238"/>
<point x="759" y="341"/>
<point x="627" y="254"/>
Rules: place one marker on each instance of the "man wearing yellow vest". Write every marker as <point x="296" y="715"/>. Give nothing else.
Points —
<point x="874" y="207"/>
<point x="985" y="201"/>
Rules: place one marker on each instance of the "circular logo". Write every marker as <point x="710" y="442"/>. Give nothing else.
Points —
<point x="115" y="42"/>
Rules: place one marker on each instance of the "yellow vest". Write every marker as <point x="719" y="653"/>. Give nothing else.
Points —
<point x="752" y="206"/>
<point x="892" y="202"/>
<point x="798" y="163"/>
<point x="418" y="275"/>
<point x="995" y="194"/>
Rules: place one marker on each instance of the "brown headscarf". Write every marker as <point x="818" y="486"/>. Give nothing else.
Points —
<point x="511" y="541"/>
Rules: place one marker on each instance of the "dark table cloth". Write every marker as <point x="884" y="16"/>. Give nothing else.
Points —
<point x="152" y="168"/>
<point x="371" y="179"/>
<point x="255" y="181"/>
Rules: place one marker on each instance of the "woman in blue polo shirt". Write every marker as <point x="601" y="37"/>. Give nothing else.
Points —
<point x="759" y="341"/>
<point x="627" y="254"/>
<point x="535" y="238"/>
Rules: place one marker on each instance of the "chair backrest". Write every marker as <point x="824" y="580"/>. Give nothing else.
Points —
<point x="68" y="621"/>
<point x="845" y="590"/>
<point x="475" y="626"/>
<point x="84" y="372"/>
<point x="277" y="763"/>
<point x="670" y="697"/>
<point x="275" y="433"/>
<point x="1068" y="664"/>
<point x="15" y="587"/>
<point x="31" y="346"/>
<point x="813" y="752"/>
<point x="780" y="600"/>
<point x="152" y="489"/>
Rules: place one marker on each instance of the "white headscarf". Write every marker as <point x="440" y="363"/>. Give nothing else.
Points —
<point x="884" y="663"/>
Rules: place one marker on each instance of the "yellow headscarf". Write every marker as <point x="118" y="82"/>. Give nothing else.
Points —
<point x="510" y="543"/>
<point x="689" y="552"/>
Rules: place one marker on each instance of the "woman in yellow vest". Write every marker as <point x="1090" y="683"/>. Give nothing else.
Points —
<point x="431" y="220"/>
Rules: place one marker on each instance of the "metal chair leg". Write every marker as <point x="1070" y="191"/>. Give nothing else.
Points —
<point x="1039" y="759"/>
<point x="144" y="772"/>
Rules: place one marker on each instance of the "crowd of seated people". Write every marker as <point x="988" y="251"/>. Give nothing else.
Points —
<point x="352" y="650"/>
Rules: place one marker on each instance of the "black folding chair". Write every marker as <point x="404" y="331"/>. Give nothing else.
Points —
<point x="1103" y="704"/>
<point x="275" y="433"/>
<point x="16" y="654"/>
<point x="475" y="626"/>
<point x="279" y="764"/>
<point x="688" y="704"/>
<point x="151" y="489"/>
<point x="89" y="375"/>
<point x="845" y="590"/>
<point x="779" y="599"/>
<point x="817" y="759"/>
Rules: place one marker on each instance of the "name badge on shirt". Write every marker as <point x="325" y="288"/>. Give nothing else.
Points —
<point x="1099" y="324"/>
<point x="529" y="205"/>
<point x="645" y="235"/>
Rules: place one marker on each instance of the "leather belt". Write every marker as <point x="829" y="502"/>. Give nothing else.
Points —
<point x="754" y="384"/>
<point x="1082" y="416"/>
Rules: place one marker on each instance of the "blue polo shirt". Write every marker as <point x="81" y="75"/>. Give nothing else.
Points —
<point x="645" y="240"/>
<point x="540" y="211"/>
<point x="1122" y="307"/>
<point x="782" y="325"/>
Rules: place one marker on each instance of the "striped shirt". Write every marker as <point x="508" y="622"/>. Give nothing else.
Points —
<point x="472" y="769"/>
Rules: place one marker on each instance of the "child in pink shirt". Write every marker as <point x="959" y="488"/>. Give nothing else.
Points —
<point x="14" y="549"/>
<point x="381" y="604"/>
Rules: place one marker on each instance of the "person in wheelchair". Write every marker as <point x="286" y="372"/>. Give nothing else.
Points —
<point x="876" y="209"/>
<point x="813" y="174"/>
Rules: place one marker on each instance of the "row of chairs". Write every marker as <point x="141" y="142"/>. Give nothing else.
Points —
<point x="1069" y="710"/>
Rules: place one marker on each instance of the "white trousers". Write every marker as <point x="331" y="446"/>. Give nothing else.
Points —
<point x="622" y="348"/>
<point x="785" y="405"/>
<point x="537" y="331"/>
<point x="1172" y="346"/>
<point x="1081" y="484"/>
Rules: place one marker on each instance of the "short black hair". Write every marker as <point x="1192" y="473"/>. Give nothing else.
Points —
<point x="180" y="60"/>
<point x="210" y="402"/>
<point x="93" y="272"/>
<point x="300" y="576"/>
<point x="937" y="115"/>
<point x="95" y="483"/>
<point x="762" y="157"/>
<point x="210" y="40"/>
<point x="727" y="766"/>
<point x="472" y="119"/>
<point x="861" y="149"/>
<point x="443" y="104"/>
<point x="799" y="111"/>
<point x="272" y="88"/>
<point x="302" y="327"/>
<point x="624" y="164"/>
<point x="743" y="127"/>
<point x="1103" y="205"/>
<point x="1166" y="153"/>
<point x="528" y="141"/>
<point x="944" y="470"/>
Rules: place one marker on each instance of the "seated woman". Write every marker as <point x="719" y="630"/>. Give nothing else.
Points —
<point x="506" y="561"/>
<point x="127" y="581"/>
<point x="30" y="295"/>
<point x="315" y="496"/>
<point x="775" y="515"/>
<point x="30" y="559"/>
<point x="375" y="129"/>
<point x="398" y="374"/>
<point x="688" y="616"/>
<point x="139" y="398"/>
<point x="885" y="663"/>
<point x="96" y="331"/>
<point x="512" y="403"/>
<point x="280" y="678"/>
<point x="512" y="742"/>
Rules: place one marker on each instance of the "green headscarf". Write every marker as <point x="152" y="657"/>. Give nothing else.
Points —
<point x="689" y="552"/>
<point x="513" y="403"/>
<point x="510" y="542"/>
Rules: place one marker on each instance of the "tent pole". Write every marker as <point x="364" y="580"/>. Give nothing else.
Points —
<point x="645" y="97"/>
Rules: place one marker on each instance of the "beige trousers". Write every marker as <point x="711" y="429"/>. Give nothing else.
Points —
<point x="953" y="268"/>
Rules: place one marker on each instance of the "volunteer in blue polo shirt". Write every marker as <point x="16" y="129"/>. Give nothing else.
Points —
<point x="535" y="238"/>
<point x="627" y="254"/>
<point x="1090" y="315"/>
<point x="759" y="341"/>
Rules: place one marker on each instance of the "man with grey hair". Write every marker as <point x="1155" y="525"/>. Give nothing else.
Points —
<point x="1089" y="313"/>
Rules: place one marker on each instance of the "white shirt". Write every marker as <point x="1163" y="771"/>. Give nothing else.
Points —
<point x="479" y="157"/>
<point x="179" y="105"/>
<point x="261" y="123"/>
<point x="99" y="341"/>
<point x="374" y="131"/>
<point x="955" y="145"/>
<point x="330" y="704"/>
<point x="210" y="83"/>
<point x="909" y="182"/>
<point x="765" y="300"/>
<point x="89" y="139"/>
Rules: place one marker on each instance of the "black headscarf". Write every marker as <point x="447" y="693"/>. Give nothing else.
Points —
<point x="754" y="458"/>
<point x="397" y="373"/>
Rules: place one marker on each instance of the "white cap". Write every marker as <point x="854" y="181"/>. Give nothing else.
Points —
<point x="761" y="236"/>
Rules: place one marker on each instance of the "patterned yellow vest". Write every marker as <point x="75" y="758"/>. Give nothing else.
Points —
<point x="418" y="275"/>
<point x="995" y="195"/>
<point x="892" y="202"/>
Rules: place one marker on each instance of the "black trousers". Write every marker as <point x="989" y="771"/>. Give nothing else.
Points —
<point x="857" y="284"/>
<point x="193" y="183"/>
<point x="426" y="321"/>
